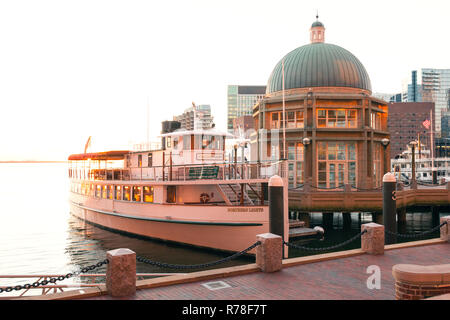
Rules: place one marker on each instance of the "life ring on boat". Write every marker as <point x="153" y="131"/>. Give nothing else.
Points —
<point x="204" y="197"/>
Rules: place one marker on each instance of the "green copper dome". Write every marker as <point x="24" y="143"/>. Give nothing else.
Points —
<point x="319" y="65"/>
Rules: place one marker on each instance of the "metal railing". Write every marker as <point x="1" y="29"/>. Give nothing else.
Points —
<point x="184" y="172"/>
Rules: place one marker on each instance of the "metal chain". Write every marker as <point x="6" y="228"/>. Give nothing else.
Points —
<point x="196" y="266"/>
<point x="53" y="280"/>
<point x="417" y="235"/>
<point x="326" y="248"/>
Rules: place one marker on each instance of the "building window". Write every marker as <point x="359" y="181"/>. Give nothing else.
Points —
<point x="375" y="120"/>
<point x="295" y="164"/>
<point x="148" y="194"/>
<point x="294" y="119"/>
<point x="336" y="118"/>
<point x="336" y="164"/>
<point x="104" y="195"/>
<point x="139" y="160"/>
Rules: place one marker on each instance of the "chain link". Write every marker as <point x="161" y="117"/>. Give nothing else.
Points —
<point x="197" y="266"/>
<point x="416" y="235"/>
<point x="326" y="248"/>
<point x="54" y="279"/>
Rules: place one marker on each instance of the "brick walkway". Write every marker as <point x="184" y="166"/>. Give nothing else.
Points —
<point x="338" y="279"/>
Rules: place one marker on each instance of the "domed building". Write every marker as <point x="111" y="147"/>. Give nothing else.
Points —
<point x="335" y="132"/>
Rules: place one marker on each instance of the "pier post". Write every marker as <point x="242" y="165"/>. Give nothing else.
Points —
<point x="347" y="220"/>
<point x="327" y="220"/>
<point x="121" y="272"/>
<point x="389" y="206"/>
<point x="445" y="229"/>
<point x="372" y="242"/>
<point x="276" y="206"/>
<point x="270" y="253"/>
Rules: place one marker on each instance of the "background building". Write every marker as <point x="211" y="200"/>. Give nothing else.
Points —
<point x="241" y="100"/>
<point x="430" y="85"/>
<point x="204" y="120"/>
<point x="243" y="126"/>
<point x="405" y="124"/>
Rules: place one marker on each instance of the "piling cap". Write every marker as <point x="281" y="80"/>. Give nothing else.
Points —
<point x="389" y="177"/>
<point x="275" y="181"/>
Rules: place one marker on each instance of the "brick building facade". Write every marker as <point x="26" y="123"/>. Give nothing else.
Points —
<point x="405" y="124"/>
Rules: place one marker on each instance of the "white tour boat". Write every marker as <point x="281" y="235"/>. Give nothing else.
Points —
<point x="185" y="192"/>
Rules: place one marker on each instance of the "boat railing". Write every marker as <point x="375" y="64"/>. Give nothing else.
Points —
<point x="186" y="172"/>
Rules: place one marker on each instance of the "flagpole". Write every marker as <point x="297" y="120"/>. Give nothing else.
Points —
<point x="284" y="112"/>
<point x="432" y="141"/>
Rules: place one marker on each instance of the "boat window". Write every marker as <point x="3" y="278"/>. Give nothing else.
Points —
<point x="171" y="194"/>
<point x="137" y="193"/>
<point x="150" y="160"/>
<point x="126" y="193"/>
<point x="91" y="191"/>
<point x="148" y="194"/>
<point x="118" y="192"/>
<point x="104" y="192"/>
<point x="110" y="192"/>
<point x="187" y="142"/>
<point x="175" y="142"/>
<point x="98" y="191"/>
<point x="169" y="142"/>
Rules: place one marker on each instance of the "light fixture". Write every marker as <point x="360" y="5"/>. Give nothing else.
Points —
<point x="306" y="141"/>
<point x="385" y="142"/>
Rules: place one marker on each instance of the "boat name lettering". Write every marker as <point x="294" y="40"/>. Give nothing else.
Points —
<point x="245" y="210"/>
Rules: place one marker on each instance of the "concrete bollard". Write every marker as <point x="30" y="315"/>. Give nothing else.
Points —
<point x="445" y="229"/>
<point x="390" y="206"/>
<point x="269" y="253"/>
<point x="372" y="242"/>
<point x="121" y="272"/>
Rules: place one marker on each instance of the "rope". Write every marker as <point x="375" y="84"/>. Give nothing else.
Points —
<point x="326" y="248"/>
<point x="196" y="266"/>
<point x="416" y="235"/>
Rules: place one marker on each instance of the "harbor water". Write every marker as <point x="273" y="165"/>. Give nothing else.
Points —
<point x="38" y="235"/>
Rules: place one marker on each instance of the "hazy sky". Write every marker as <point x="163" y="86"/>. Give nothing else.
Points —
<point x="74" y="69"/>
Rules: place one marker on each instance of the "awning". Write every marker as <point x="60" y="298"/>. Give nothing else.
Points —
<point x="107" y="155"/>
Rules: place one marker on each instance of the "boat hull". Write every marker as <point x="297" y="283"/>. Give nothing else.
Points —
<point x="226" y="228"/>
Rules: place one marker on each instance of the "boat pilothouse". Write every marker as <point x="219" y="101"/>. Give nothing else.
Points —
<point x="187" y="191"/>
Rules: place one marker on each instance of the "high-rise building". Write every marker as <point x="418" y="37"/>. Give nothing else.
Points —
<point x="241" y="100"/>
<point x="405" y="124"/>
<point x="203" y="118"/>
<point x="431" y="85"/>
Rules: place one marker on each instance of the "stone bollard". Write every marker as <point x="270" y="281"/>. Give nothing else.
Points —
<point x="269" y="253"/>
<point x="445" y="229"/>
<point x="372" y="242"/>
<point x="121" y="272"/>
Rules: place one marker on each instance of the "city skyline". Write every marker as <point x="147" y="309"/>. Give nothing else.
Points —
<point x="92" y="69"/>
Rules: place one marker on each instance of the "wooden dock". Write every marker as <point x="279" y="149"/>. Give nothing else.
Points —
<point x="348" y="200"/>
